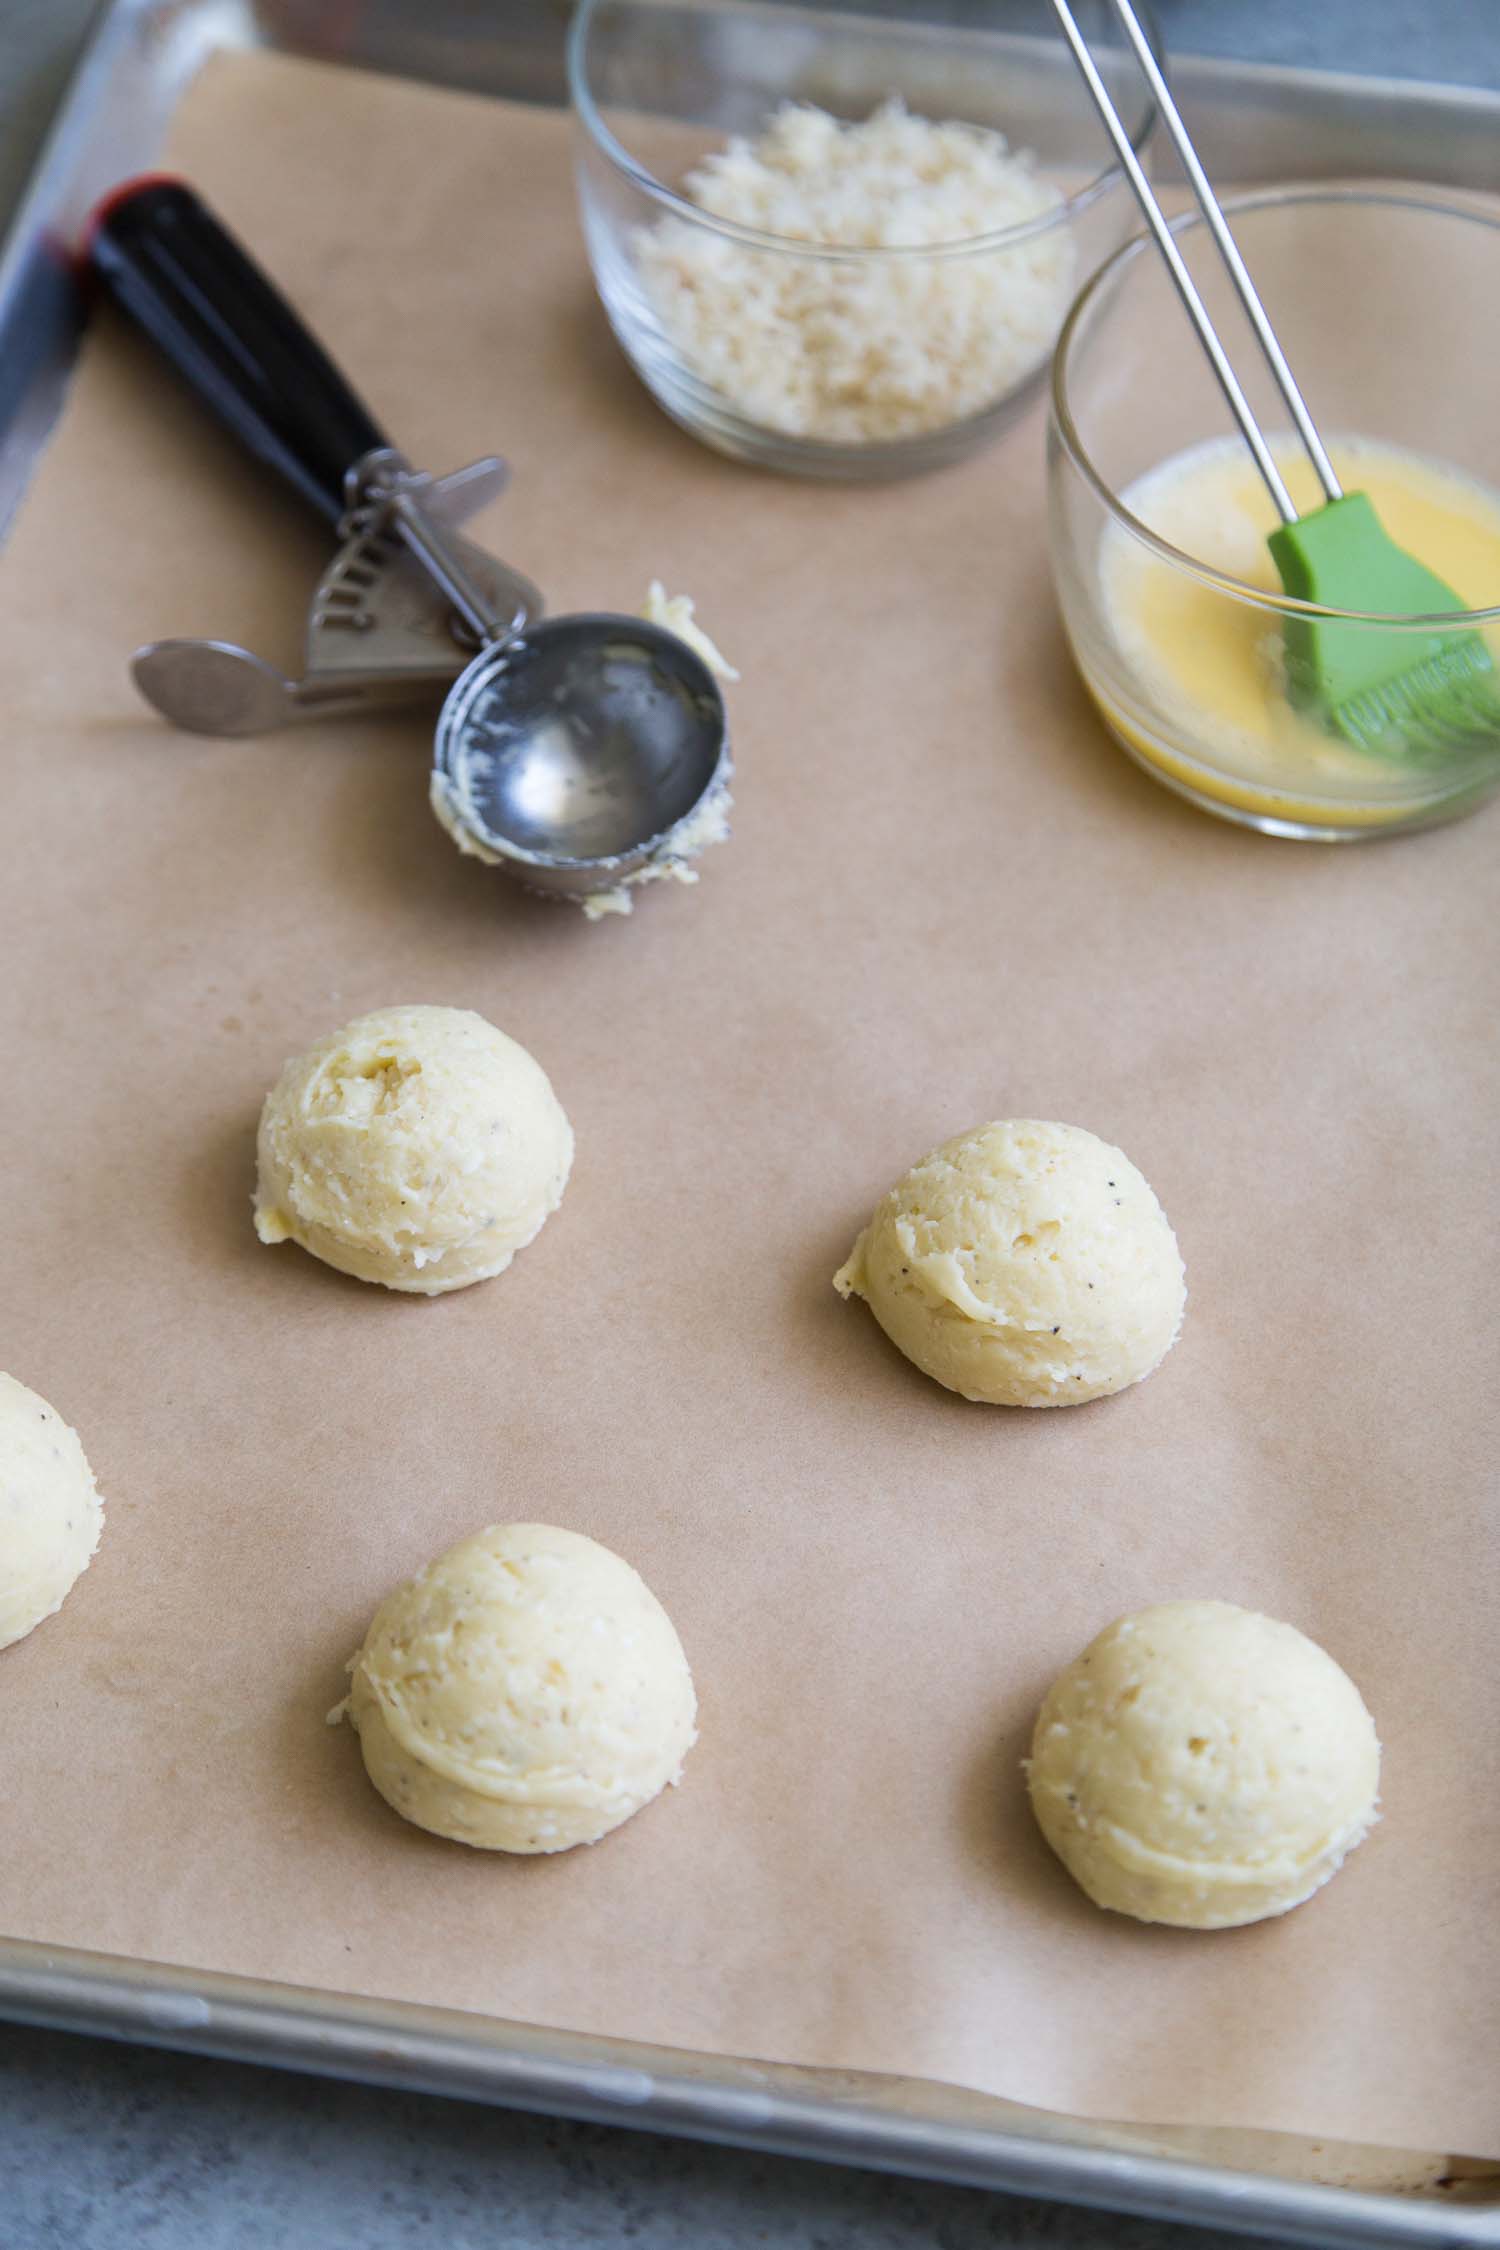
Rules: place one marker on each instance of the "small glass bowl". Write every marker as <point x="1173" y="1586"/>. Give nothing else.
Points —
<point x="1386" y="304"/>
<point x="656" y="86"/>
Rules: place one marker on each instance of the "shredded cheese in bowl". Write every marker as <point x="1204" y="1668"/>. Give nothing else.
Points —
<point x="876" y="347"/>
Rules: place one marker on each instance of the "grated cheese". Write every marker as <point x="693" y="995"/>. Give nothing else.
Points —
<point x="868" y="349"/>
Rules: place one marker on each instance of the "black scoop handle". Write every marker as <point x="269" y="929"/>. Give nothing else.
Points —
<point x="181" y="276"/>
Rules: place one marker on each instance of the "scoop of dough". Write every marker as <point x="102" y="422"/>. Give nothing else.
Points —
<point x="50" y="1513"/>
<point x="418" y="1147"/>
<point x="1023" y="1264"/>
<point x="525" y="1692"/>
<point x="1203" y="1765"/>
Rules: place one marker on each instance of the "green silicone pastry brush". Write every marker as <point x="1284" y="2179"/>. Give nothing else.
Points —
<point x="1418" y="689"/>
<point x="1414" y="690"/>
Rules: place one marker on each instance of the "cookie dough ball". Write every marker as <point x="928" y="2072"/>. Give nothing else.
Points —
<point x="417" y="1147"/>
<point x="50" y="1514"/>
<point x="1203" y="1765"/>
<point x="525" y="1692"/>
<point x="1023" y="1264"/>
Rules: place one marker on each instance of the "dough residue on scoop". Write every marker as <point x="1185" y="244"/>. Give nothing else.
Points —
<point x="674" y="613"/>
<point x="51" y="1515"/>
<point x="676" y="858"/>
<point x="1203" y="1765"/>
<point x="418" y="1147"/>
<point x="1023" y="1264"/>
<point x="524" y="1693"/>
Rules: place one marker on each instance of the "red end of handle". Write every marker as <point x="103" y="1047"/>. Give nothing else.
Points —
<point x="110" y="202"/>
<point x="176" y="271"/>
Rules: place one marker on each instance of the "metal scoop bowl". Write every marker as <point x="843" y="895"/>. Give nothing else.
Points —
<point x="580" y="752"/>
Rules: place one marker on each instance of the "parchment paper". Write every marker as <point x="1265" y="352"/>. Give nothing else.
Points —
<point x="947" y="898"/>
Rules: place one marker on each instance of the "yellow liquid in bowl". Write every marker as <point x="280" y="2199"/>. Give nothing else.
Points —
<point x="1209" y="709"/>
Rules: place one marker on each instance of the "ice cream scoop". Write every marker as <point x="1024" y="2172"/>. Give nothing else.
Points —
<point x="577" y="749"/>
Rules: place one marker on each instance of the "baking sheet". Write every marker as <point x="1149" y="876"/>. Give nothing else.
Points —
<point x="946" y="898"/>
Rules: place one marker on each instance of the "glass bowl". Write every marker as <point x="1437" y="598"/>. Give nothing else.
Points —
<point x="849" y="362"/>
<point x="1388" y="306"/>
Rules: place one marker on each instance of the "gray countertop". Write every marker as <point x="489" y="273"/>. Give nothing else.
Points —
<point x="106" y="2148"/>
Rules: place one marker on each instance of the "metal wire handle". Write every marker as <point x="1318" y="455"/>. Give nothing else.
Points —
<point x="1218" y="226"/>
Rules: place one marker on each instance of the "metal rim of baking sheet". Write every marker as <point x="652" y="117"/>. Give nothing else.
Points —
<point x="925" y="2131"/>
<point x="1253" y="122"/>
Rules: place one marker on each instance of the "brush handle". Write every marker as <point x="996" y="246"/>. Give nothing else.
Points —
<point x="181" y="276"/>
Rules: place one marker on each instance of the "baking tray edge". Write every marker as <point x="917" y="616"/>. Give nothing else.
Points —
<point x="1253" y="121"/>
<point x="851" y="2118"/>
